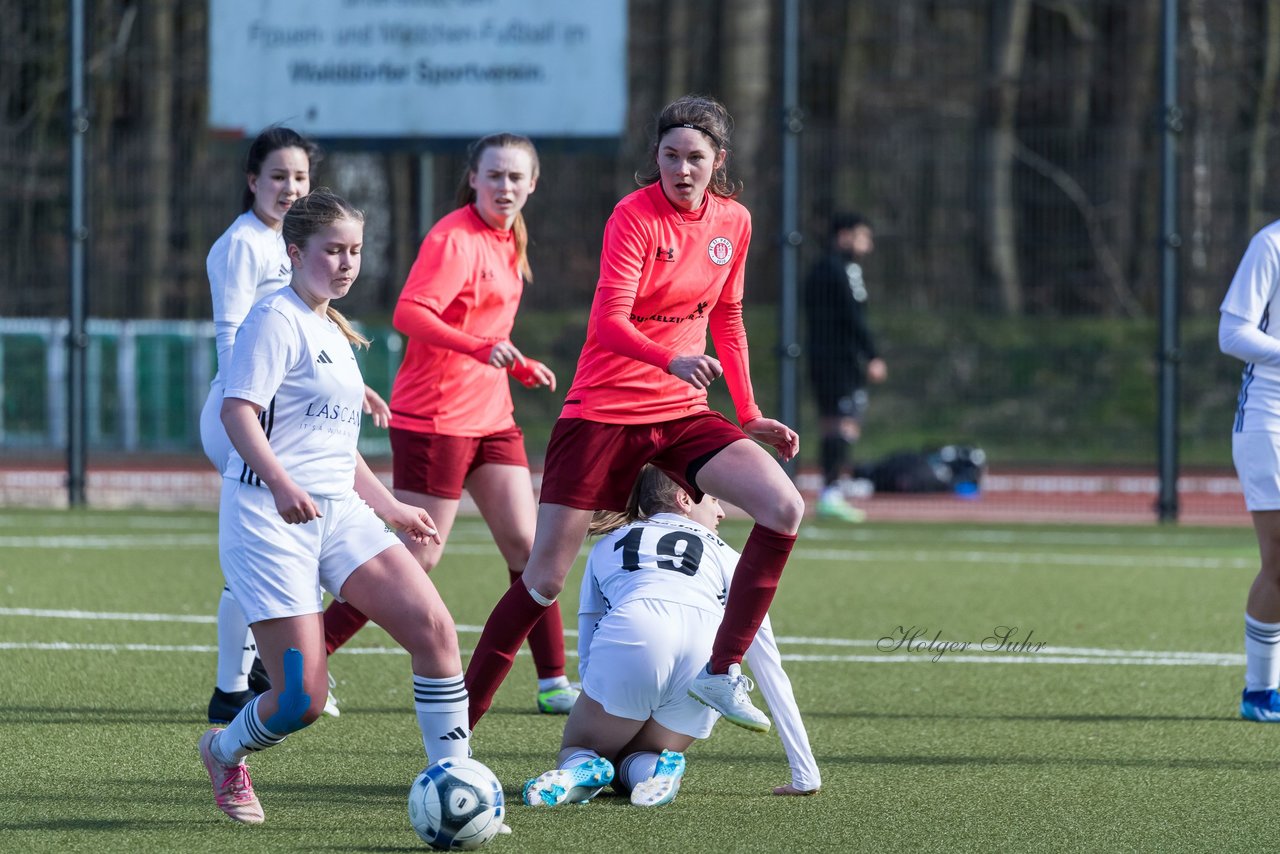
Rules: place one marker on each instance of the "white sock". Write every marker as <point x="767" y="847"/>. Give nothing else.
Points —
<point x="244" y="735"/>
<point x="553" y="682"/>
<point x="582" y="754"/>
<point x="635" y="769"/>
<point x="236" y="647"/>
<point x="442" y="716"/>
<point x="1261" y="654"/>
<point x="832" y="493"/>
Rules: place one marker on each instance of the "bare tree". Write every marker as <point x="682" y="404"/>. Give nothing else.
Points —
<point x="1008" y="46"/>
<point x="157" y="166"/>
<point x="1264" y="105"/>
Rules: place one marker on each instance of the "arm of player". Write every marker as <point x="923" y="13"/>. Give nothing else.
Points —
<point x="590" y="609"/>
<point x="765" y="662"/>
<point x="1244" y="340"/>
<point x="240" y="418"/>
<point x="376" y="408"/>
<point x="423" y="323"/>
<point x="413" y="522"/>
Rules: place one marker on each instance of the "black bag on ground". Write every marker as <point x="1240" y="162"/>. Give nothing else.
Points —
<point x="942" y="470"/>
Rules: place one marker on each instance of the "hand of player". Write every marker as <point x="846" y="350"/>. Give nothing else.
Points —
<point x="698" y="371"/>
<point x="789" y="789"/>
<point x="504" y="354"/>
<point x="294" y="503"/>
<point x="414" y="522"/>
<point x="533" y="374"/>
<point x="775" y="434"/>
<point x="375" y="406"/>
<point x="877" y="371"/>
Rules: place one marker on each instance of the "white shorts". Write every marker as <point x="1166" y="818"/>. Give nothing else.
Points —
<point x="213" y="436"/>
<point x="1257" y="458"/>
<point x="644" y="654"/>
<point x="275" y="569"/>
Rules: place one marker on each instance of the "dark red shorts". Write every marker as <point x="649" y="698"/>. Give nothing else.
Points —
<point x="592" y="466"/>
<point x="438" y="465"/>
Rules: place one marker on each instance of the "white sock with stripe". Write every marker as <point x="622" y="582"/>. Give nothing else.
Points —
<point x="442" y="715"/>
<point x="636" y="768"/>
<point x="1261" y="654"/>
<point x="235" y="646"/>
<point x="244" y="735"/>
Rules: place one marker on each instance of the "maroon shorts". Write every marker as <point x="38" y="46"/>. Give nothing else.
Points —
<point x="593" y="466"/>
<point x="438" y="465"/>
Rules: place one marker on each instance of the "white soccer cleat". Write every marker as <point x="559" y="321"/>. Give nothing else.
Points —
<point x="662" y="787"/>
<point x="727" y="693"/>
<point x="575" y="785"/>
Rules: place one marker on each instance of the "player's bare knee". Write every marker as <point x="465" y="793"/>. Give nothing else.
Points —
<point x="783" y="514"/>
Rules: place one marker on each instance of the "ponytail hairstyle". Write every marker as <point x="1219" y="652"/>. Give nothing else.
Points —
<point x="712" y="120"/>
<point x="272" y="139"/>
<point x="652" y="493"/>
<point x="467" y="195"/>
<point x="304" y="219"/>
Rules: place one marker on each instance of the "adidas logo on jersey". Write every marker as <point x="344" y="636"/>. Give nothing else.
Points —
<point x="455" y="734"/>
<point x="323" y="359"/>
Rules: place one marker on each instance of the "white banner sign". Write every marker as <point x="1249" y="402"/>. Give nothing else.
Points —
<point x="419" y="68"/>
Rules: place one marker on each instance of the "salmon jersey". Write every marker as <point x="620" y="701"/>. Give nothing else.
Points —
<point x="666" y="277"/>
<point x="468" y="275"/>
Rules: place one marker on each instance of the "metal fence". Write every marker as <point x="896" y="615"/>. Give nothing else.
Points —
<point x="1007" y="152"/>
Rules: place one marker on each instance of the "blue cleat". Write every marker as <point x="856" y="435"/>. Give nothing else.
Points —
<point x="575" y="785"/>
<point x="1260" y="706"/>
<point x="661" y="788"/>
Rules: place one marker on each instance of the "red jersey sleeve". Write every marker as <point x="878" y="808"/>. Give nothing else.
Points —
<point x="621" y="265"/>
<point x="729" y="334"/>
<point x="436" y="278"/>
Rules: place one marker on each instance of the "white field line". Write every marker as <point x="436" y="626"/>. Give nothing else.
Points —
<point x="932" y="557"/>
<point x="1048" y="655"/>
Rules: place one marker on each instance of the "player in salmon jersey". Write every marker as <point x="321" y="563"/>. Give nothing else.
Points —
<point x="670" y="270"/>
<point x="452" y="397"/>
<point x="651" y="600"/>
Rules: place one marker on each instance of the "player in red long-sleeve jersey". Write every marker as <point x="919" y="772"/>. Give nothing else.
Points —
<point x="671" y="268"/>
<point x="451" y="402"/>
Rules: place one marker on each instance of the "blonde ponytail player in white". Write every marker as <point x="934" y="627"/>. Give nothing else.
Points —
<point x="301" y="512"/>
<point x="652" y="599"/>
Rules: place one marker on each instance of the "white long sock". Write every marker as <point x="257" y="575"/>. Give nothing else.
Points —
<point x="636" y="768"/>
<point x="1261" y="654"/>
<point x="442" y="716"/>
<point x="244" y="735"/>
<point x="236" y="647"/>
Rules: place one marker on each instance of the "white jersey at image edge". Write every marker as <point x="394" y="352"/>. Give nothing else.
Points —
<point x="1253" y="297"/>
<point x="302" y="371"/>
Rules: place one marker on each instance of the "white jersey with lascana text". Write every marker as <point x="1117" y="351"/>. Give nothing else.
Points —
<point x="302" y="371"/>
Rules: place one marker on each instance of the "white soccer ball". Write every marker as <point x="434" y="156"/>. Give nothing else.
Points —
<point x="456" y="804"/>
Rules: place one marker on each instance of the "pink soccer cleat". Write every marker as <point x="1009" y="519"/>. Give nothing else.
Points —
<point x="232" y="788"/>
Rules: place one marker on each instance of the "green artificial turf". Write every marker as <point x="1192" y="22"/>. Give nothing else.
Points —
<point x="1120" y="734"/>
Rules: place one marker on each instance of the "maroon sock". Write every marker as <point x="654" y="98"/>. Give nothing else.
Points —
<point x="754" y="583"/>
<point x="341" y="621"/>
<point x="546" y="640"/>
<point x="504" y="633"/>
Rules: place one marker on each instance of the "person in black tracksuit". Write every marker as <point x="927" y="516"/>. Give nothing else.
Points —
<point x="842" y="354"/>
